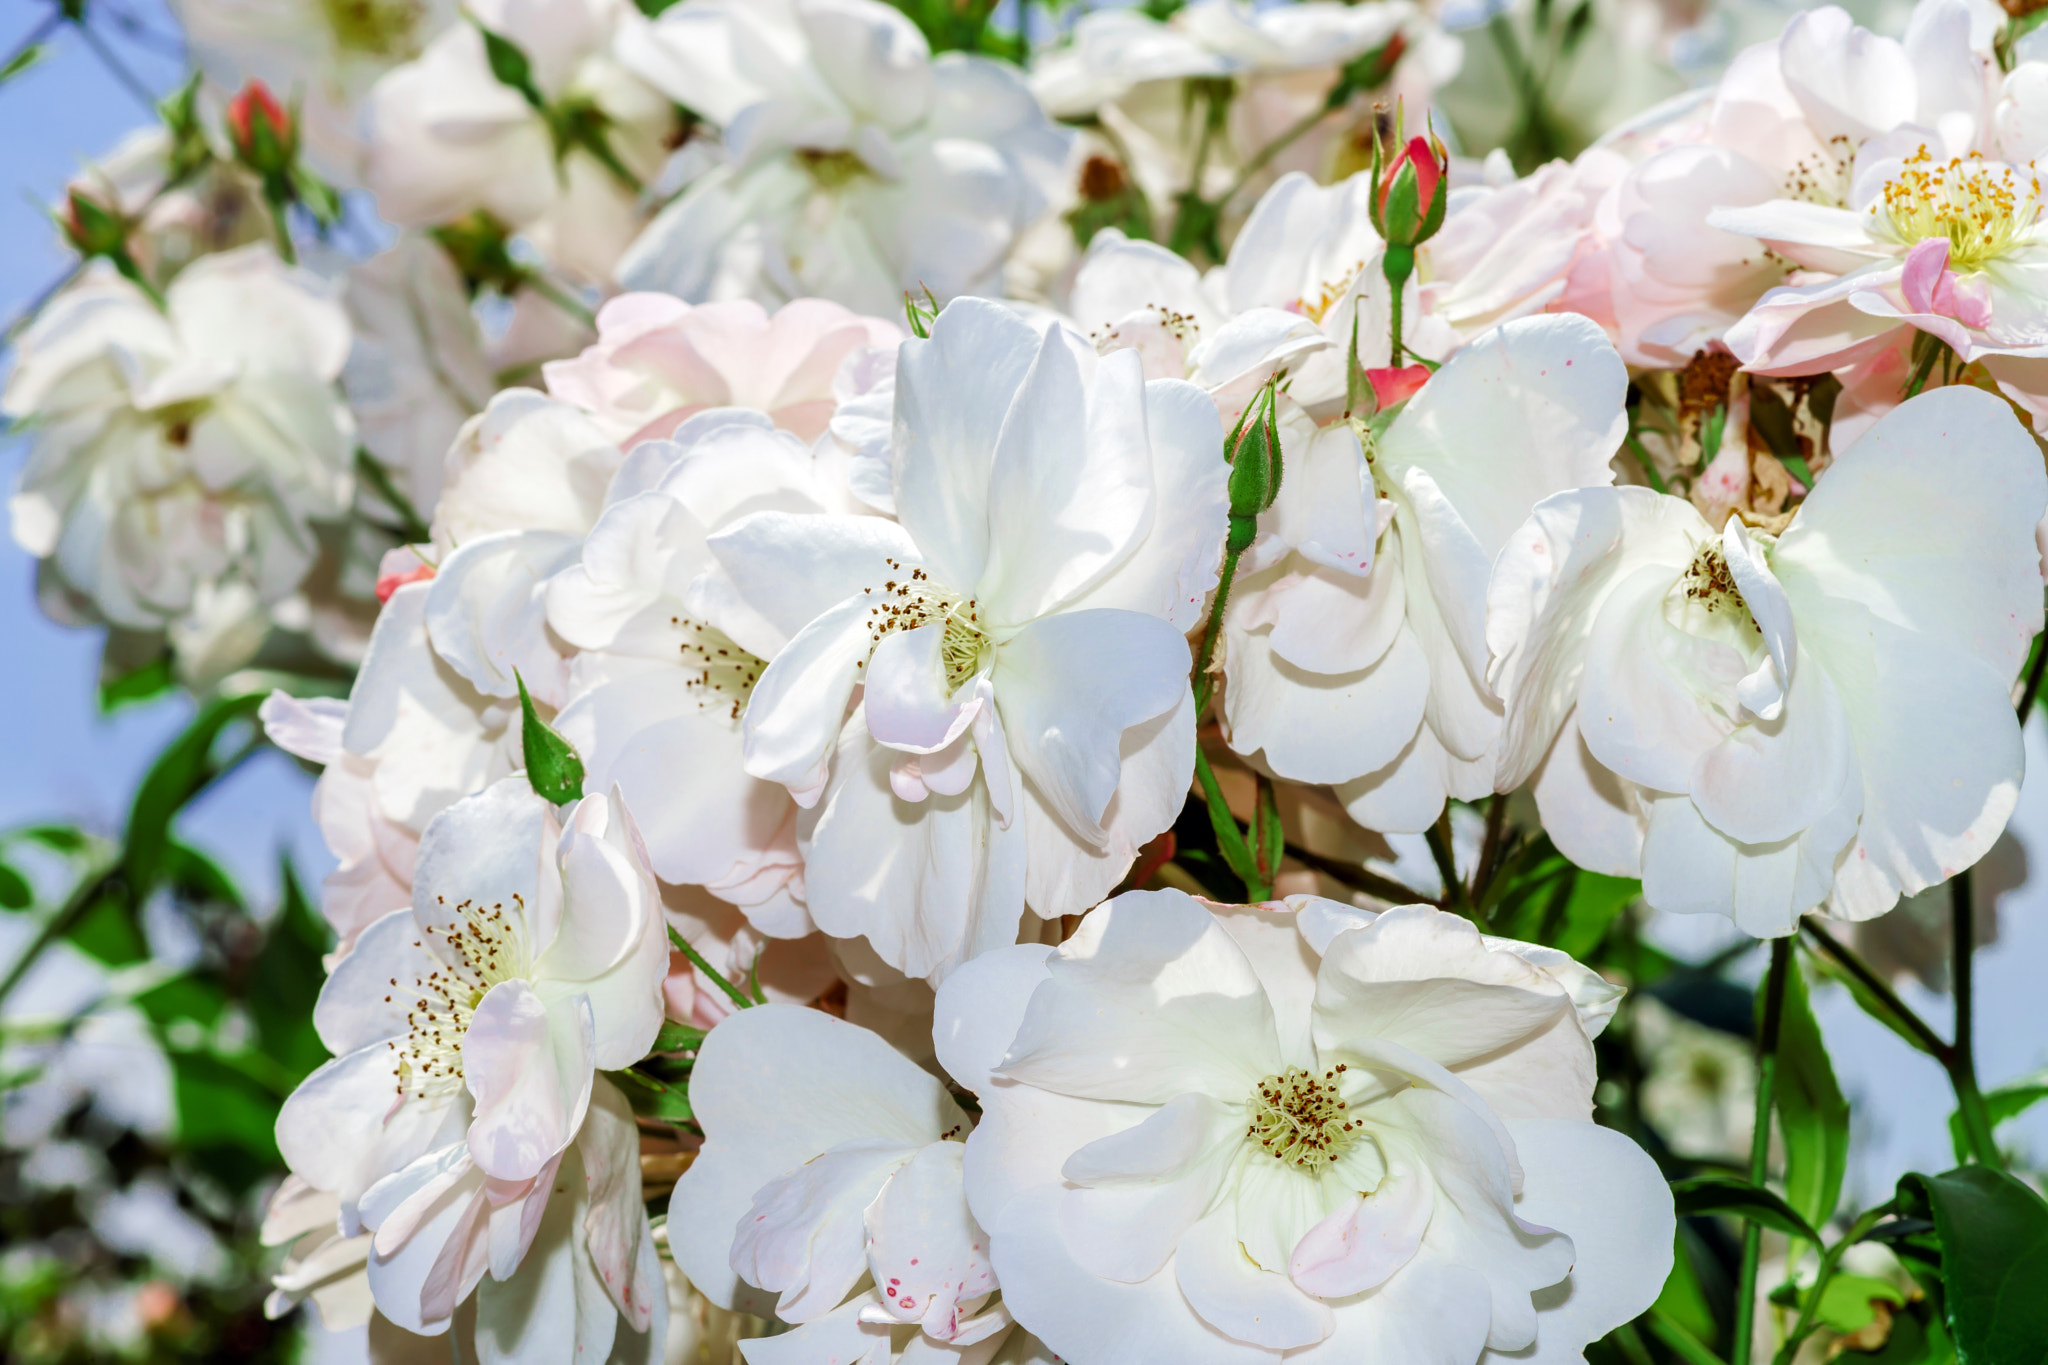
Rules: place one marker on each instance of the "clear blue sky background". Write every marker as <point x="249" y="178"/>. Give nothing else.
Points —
<point x="59" y="759"/>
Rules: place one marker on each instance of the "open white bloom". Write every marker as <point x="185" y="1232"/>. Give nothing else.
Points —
<point x="1297" y="1132"/>
<point x="448" y="136"/>
<point x="418" y="370"/>
<point x="828" y="1194"/>
<point x="1801" y="119"/>
<point x="322" y="1264"/>
<point x="467" y="1032"/>
<point x="668" y="659"/>
<point x="176" y="449"/>
<point x="1304" y="268"/>
<point x="1758" y="727"/>
<point x="856" y="166"/>
<point x="321" y="55"/>
<point x="1147" y="82"/>
<point x="1355" y="644"/>
<point x="659" y="360"/>
<point x="1023" y="721"/>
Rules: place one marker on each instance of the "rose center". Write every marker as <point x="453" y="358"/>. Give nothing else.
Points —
<point x="478" y="950"/>
<point x="721" y="674"/>
<point x="377" y="28"/>
<point x="1299" y="1119"/>
<point x="1982" y="207"/>
<point x="910" y="600"/>
<point x="831" y="170"/>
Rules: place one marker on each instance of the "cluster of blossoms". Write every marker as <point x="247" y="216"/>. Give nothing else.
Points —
<point x="771" y="708"/>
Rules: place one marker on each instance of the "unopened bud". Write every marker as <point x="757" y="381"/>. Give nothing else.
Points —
<point x="1255" y="468"/>
<point x="92" y="228"/>
<point x="262" y="130"/>
<point x="1408" y="200"/>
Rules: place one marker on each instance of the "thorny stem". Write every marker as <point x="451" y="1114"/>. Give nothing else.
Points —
<point x="1962" y="1058"/>
<point x="1760" y="1142"/>
<point x="1204" y="681"/>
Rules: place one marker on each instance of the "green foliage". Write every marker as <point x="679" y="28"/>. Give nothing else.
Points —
<point x="1703" y="1194"/>
<point x="510" y="67"/>
<point x="1813" y="1116"/>
<point x="1993" y="1237"/>
<point x="2007" y="1103"/>
<point x="181" y="772"/>
<point x="145" y="682"/>
<point x="966" y="26"/>
<point x="552" y="767"/>
<point x="654" y="1098"/>
<point x="1541" y="897"/>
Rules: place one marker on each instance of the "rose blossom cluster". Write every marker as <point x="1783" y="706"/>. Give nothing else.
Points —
<point x="770" y="706"/>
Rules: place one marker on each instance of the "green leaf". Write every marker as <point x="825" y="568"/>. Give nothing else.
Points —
<point x="1994" y="1261"/>
<point x="1813" y="1117"/>
<point x="1705" y="1194"/>
<point x="221" y="1106"/>
<point x="676" y="1037"/>
<point x="1845" y="1302"/>
<point x="286" y="978"/>
<point x="2006" y="1103"/>
<point x="511" y="68"/>
<point x="552" y="767"/>
<point x="1542" y="898"/>
<point x="180" y="773"/>
<point x="151" y="679"/>
<point x="22" y="61"/>
<point x="107" y="929"/>
<point x="66" y="839"/>
<point x="717" y="978"/>
<point x="1682" y="1300"/>
<point x="655" y="1099"/>
<point x="15" y="891"/>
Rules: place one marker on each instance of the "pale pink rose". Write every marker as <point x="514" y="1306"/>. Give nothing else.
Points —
<point x="1793" y="131"/>
<point x="658" y="360"/>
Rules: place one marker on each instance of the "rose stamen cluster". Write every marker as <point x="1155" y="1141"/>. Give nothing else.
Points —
<point x="1300" y="1120"/>
<point x="1980" y="206"/>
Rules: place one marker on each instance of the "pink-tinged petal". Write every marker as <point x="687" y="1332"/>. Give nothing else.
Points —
<point x="927" y="1254"/>
<point x="804" y="1237"/>
<point x="485" y="884"/>
<point x="344" y="1128"/>
<point x="1239" y="1299"/>
<point x="909" y="700"/>
<point x="1095" y="1321"/>
<point x="840" y="1337"/>
<point x="529" y="1067"/>
<point x="1390" y="387"/>
<point x="774" y="1087"/>
<point x="1926" y="263"/>
<point x="615" y="1225"/>
<point x="1360" y="1246"/>
<point x="418" y="1285"/>
<point x="514" y="1219"/>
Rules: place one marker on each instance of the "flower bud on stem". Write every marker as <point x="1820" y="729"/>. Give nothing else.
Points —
<point x="1255" y="471"/>
<point x="1407" y="206"/>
